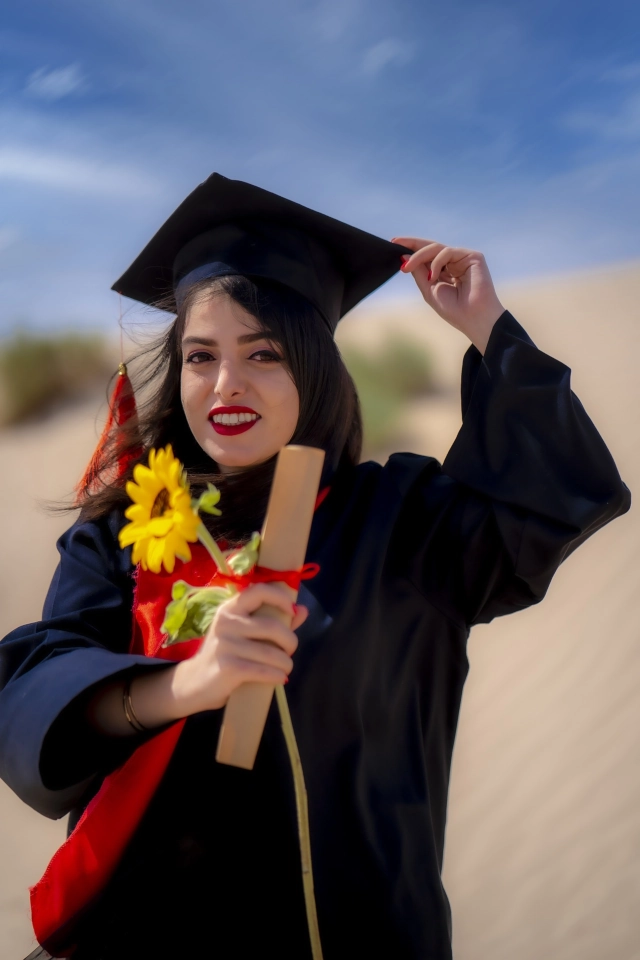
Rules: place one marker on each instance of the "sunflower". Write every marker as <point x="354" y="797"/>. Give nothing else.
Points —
<point x="163" y="521"/>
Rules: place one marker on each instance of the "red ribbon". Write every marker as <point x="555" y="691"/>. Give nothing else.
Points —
<point x="292" y="578"/>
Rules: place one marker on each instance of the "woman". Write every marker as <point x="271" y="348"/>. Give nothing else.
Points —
<point x="411" y="555"/>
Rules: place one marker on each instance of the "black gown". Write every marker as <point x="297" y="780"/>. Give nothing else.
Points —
<point x="412" y="554"/>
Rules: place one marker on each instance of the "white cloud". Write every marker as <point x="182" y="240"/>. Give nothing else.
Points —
<point x="47" y="84"/>
<point x="382" y="54"/>
<point x="624" y="74"/>
<point x="622" y="123"/>
<point x="73" y="173"/>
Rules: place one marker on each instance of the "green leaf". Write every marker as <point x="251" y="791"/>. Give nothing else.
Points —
<point x="245" y="559"/>
<point x="206" y="502"/>
<point x="180" y="588"/>
<point x="190" y="613"/>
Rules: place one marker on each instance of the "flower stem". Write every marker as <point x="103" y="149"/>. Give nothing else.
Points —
<point x="302" y="810"/>
<point x="215" y="552"/>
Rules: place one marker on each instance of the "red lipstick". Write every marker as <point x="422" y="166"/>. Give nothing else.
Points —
<point x="243" y="419"/>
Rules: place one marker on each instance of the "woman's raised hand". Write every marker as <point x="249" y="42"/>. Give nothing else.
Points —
<point x="235" y="652"/>
<point x="456" y="283"/>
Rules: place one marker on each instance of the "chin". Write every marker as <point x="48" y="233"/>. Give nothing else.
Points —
<point x="234" y="459"/>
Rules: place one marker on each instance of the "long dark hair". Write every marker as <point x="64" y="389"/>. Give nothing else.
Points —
<point x="329" y="409"/>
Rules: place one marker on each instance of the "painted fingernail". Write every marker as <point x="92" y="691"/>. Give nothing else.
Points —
<point x="286" y="679"/>
<point x="429" y="275"/>
<point x="294" y="607"/>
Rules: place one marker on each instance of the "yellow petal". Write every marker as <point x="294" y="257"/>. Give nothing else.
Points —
<point x="138" y="513"/>
<point x="155" y="555"/>
<point x="160" y="526"/>
<point x="187" y="527"/>
<point x="168" y="559"/>
<point x="130" y="534"/>
<point x="179" y="546"/>
<point x="138" y="495"/>
<point x="139" y="552"/>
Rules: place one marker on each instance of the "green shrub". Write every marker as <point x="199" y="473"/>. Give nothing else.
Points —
<point x="396" y="371"/>
<point x="38" y="372"/>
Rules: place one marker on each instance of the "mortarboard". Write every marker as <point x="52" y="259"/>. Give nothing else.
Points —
<point x="229" y="227"/>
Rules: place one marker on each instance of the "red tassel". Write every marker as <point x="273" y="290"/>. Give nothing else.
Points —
<point x="122" y="408"/>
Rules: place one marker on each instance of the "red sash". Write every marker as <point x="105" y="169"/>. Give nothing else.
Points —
<point x="83" y="865"/>
<point x="81" y="868"/>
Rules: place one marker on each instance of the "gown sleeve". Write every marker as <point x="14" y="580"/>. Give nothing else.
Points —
<point x="49" y="753"/>
<point x="527" y="480"/>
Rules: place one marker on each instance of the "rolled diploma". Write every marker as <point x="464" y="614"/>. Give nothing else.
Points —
<point x="284" y="546"/>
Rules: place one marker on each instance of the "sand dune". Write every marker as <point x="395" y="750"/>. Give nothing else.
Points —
<point x="543" y="841"/>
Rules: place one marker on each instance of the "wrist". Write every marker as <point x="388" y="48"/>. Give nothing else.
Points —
<point x="481" y="332"/>
<point x="190" y="695"/>
<point x="153" y="698"/>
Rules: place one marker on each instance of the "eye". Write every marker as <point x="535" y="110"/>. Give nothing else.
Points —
<point x="198" y="356"/>
<point x="266" y="356"/>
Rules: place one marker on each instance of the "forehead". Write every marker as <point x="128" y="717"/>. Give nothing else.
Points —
<point x="221" y="314"/>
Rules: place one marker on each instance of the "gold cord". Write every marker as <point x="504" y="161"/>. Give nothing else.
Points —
<point x="304" y="834"/>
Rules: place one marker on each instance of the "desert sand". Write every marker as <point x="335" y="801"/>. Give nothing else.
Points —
<point x="543" y="840"/>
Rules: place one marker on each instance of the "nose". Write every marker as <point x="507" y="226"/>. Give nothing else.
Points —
<point x="229" y="384"/>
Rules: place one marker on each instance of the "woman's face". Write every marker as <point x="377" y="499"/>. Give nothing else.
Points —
<point x="238" y="396"/>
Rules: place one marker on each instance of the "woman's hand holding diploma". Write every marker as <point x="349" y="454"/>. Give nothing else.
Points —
<point x="238" y="648"/>
<point x="456" y="283"/>
<point x="235" y="651"/>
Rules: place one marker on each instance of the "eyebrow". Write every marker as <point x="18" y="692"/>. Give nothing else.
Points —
<point x="206" y="342"/>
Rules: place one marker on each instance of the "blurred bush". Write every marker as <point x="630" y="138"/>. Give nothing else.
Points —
<point x="398" y="370"/>
<point x="38" y="372"/>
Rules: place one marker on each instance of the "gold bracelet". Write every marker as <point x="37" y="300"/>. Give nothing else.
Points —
<point x="129" y="712"/>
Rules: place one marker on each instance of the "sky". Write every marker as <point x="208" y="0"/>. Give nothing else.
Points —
<point x="509" y="127"/>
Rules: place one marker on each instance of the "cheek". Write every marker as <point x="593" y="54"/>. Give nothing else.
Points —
<point x="193" y="394"/>
<point x="287" y="402"/>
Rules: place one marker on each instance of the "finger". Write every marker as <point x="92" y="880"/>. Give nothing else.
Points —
<point x="263" y="628"/>
<point x="421" y="257"/>
<point x="451" y="258"/>
<point x="300" y="615"/>
<point x="256" y="651"/>
<point x="273" y="594"/>
<point x="250" y="671"/>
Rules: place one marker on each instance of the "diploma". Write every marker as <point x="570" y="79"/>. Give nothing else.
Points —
<point x="283" y="547"/>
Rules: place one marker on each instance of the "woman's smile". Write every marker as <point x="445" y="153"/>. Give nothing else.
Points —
<point x="232" y="420"/>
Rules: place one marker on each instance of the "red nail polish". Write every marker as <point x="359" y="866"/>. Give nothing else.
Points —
<point x="429" y="275"/>
<point x="286" y="679"/>
<point x="294" y="607"/>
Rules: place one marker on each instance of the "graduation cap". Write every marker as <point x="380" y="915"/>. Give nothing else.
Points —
<point x="228" y="227"/>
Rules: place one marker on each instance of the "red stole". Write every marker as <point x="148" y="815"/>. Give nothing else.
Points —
<point x="79" y="871"/>
<point x="82" y="867"/>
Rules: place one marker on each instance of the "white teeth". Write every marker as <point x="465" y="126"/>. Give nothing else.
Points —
<point x="231" y="419"/>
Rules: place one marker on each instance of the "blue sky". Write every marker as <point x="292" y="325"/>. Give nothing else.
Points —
<point x="511" y="127"/>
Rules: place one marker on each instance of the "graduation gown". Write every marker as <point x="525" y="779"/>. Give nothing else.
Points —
<point x="412" y="554"/>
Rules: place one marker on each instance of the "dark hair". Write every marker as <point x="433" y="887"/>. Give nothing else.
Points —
<point x="329" y="409"/>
